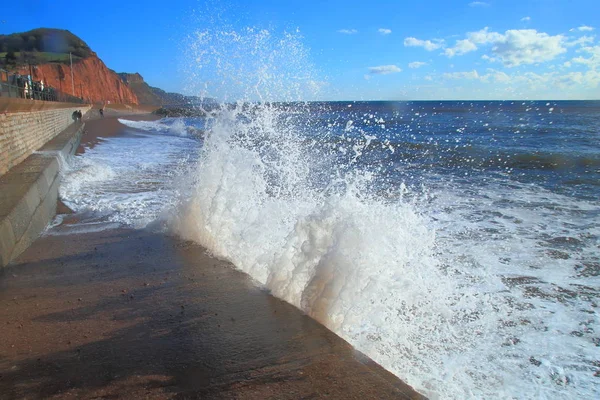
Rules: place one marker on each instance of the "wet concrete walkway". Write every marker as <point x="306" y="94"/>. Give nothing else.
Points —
<point x="136" y="314"/>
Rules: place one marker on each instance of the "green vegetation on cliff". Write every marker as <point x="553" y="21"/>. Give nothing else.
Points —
<point x="42" y="45"/>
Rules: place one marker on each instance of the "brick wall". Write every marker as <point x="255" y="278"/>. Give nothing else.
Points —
<point x="22" y="133"/>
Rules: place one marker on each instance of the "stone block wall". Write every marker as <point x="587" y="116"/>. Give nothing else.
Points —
<point x="22" y="133"/>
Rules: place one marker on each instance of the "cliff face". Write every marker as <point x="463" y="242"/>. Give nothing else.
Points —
<point x="150" y="95"/>
<point x="92" y="80"/>
<point x="134" y="78"/>
<point x="142" y="90"/>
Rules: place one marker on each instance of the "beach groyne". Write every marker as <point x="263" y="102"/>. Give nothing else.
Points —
<point x="32" y="144"/>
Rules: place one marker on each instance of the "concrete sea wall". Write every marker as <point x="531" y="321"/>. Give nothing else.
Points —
<point x="22" y="133"/>
<point x="32" y="145"/>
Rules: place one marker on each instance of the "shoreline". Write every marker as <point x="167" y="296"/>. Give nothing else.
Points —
<point x="137" y="313"/>
<point x="97" y="128"/>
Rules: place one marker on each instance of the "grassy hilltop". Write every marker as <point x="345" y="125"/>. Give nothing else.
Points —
<point x="40" y="46"/>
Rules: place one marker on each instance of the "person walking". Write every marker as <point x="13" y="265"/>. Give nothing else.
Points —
<point x="25" y="89"/>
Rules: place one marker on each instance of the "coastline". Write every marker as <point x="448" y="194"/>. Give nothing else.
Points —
<point x="137" y="313"/>
<point x="97" y="128"/>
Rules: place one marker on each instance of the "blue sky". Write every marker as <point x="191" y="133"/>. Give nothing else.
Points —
<point x="360" y="50"/>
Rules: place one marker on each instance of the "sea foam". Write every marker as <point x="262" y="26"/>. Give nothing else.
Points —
<point x="312" y="225"/>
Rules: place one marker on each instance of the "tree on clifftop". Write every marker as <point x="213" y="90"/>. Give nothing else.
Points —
<point x="10" y="59"/>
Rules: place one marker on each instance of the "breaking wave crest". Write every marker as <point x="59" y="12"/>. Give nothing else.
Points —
<point x="356" y="252"/>
<point x="174" y="126"/>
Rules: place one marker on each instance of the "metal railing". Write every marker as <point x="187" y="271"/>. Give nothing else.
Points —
<point x="15" y="86"/>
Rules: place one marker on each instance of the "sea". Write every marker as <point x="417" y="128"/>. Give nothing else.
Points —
<point x="456" y="243"/>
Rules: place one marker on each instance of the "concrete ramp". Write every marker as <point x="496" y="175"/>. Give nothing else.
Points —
<point x="137" y="314"/>
<point x="28" y="193"/>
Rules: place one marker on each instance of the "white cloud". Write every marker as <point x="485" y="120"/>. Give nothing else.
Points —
<point x="589" y="79"/>
<point x="483" y="36"/>
<point x="461" y="75"/>
<point x="568" y="82"/>
<point x="348" y="31"/>
<point x="527" y="46"/>
<point x="495" y="84"/>
<point x="416" y="64"/>
<point x="513" y="48"/>
<point x="534" y="82"/>
<point x="492" y="75"/>
<point x="525" y="19"/>
<point x="384" y="31"/>
<point x="428" y="45"/>
<point x="384" y="70"/>
<point x="461" y="47"/>
<point x="478" y="4"/>
<point x="498" y="76"/>
<point x="593" y="62"/>
<point x="581" y="41"/>
<point x="583" y="28"/>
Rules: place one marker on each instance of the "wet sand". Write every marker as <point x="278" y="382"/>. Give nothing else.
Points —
<point x="141" y="314"/>
<point x="97" y="128"/>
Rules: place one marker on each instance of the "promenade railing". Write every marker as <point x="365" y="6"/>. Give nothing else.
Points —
<point x="13" y="86"/>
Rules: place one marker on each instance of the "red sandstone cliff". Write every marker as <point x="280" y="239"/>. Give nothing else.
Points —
<point x="92" y="80"/>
